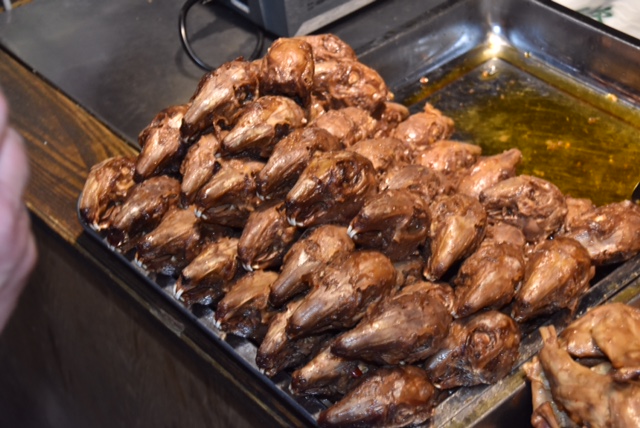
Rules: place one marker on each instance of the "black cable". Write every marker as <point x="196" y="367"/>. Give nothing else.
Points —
<point x="184" y="38"/>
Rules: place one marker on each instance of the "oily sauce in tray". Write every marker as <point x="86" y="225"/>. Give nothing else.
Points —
<point x="584" y="141"/>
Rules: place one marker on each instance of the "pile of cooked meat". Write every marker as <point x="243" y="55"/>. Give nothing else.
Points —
<point x="589" y="375"/>
<point x="364" y="252"/>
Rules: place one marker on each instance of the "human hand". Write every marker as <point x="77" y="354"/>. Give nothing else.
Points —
<point x="17" y="245"/>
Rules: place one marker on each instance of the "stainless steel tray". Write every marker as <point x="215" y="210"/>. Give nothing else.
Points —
<point x="512" y="73"/>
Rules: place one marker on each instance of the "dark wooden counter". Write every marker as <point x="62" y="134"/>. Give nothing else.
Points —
<point x="85" y="347"/>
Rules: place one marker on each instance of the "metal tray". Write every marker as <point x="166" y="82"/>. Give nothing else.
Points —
<point x="511" y="73"/>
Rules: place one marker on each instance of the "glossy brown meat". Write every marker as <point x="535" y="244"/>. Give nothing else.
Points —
<point x="610" y="233"/>
<point x="478" y="350"/>
<point x="489" y="171"/>
<point x="172" y="245"/>
<point x="390" y="397"/>
<point x="349" y="125"/>
<point x="458" y="225"/>
<point x="503" y="233"/>
<point x="230" y="195"/>
<point x="290" y="157"/>
<point x="583" y="393"/>
<point x="331" y="189"/>
<point x="326" y="47"/>
<point x="394" y="222"/>
<point x="198" y="165"/>
<point x="557" y="274"/>
<point x="389" y="117"/>
<point x="407" y="327"/>
<point x="489" y="277"/>
<point x="545" y="411"/>
<point x="278" y="351"/>
<point x="451" y="158"/>
<point x="219" y="97"/>
<point x="287" y="69"/>
<point x="262" y="123"/>
<point x="419" y="179"/>
<point x="384" y="153"/>
<point x="327" y="374"/>
<point x="105" y="188"/>
<point x="530" y="203"/>
<point x="265" y="238"/>
<point x="341" y="295"/>
<point x="611" y="330"/>
<point x="244" y="310"/>
<point x="162" y="150"/>
<point x="424" y="128"/>
<point x="308" y="255"/>
<point x="143" y="209"/>
<point x="211" y="270"/>
<point x="576" y="208"/>
<point x="343" y="83"/>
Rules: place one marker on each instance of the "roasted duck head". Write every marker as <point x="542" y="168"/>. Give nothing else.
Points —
<point x="395" y="222"/>
<point x="162" y="150"/>
<point x="457" y="228"/>
<point x="244" y="310"/>
<point x="329" y="47"/>
<point x="557" y="274"/>
<point x="262" y="123"/>
<point x="198" y="166"/>
<point x="481" y="349"/>
<point x="488" y="171"/>
<point x="105" y="188"/>
<point x="220" y="96"/>
<point x="172" y="245"/>
<point x="314" y="250"/>
<point x="389" y="397"/>
<point x="143" y="209"/>
<point x="424" y="128"/>
<point x="610" y="233"/>
<point x="451" y="158"/>
<point x="342" y="292"/>
<point x="419" y="179"/>
<point x="207" y="277"/>
<point x="287" y="69"/>
<point x="290" y="157"/>
<point x="384" y="153"/>
<point x="530" y="203"/>
<point x="405" y="328"/>
<point x="266" y="237"/>
<point x="229" y="196"/>
<point x="349" y="125"/>
<point x="332" y="189"/>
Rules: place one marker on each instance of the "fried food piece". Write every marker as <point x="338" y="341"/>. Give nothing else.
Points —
<point x="328" y="47"/>
<point x="424" y="128"/>
<point x="557" y="274"/>
<point x="405" y="328"/>
<point x="395" y="222"/>
<point x="143" y="209"/>
<point x="451" y="158"/>
<point x="389" y="397"/>
<point x="105" y="188"/>
<point x="162" y="150"/>
<point x="278" y="351"/>
<point x="349" y="125"/>
<point x="172" y="245"/>
<point x="290" y="157"/>
<point x="384" y="153"/>
<point x="332" y="189"/>
<point x="458" y="225"/>
<point x="244" y="310"/>
<point x="341" y="294"/>
<point x="266" y="237"/>
<point x="478" y="350"/>
<point x="230" y="196"/>
<point x="419" y="179"/>
<point x="308" y="255"/>
<point x="287" y="69"/>
<point x="262" y="123"/>
<point x="209" y="274"/>
<point x="389" y="117"/>
<point x="490" y="170"/>
<point x="220" y="96"/>
<point x="198" y="166"/>
<point x="610" y="233"/>
<point x="530" y="203"/>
